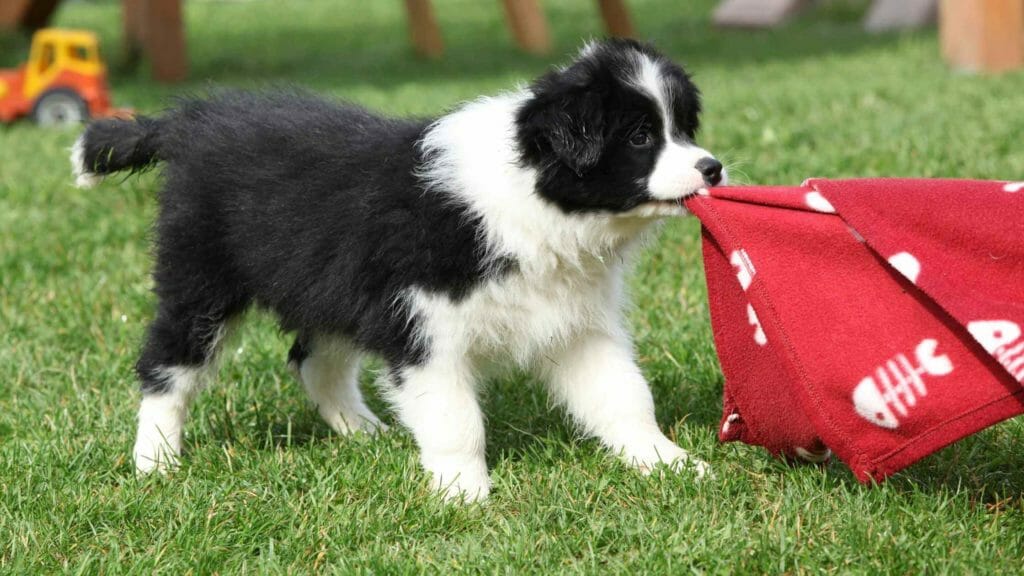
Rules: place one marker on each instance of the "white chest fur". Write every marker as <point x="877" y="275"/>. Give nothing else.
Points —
<point x="523" y="315"/>
<point x="569" y="268"/>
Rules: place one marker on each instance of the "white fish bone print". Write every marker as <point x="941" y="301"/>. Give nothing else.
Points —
<point x="753" y="320"/>
<point x="896" y="386"/>
<point x="815" y="201"/>
<point x="745" y="272"/>
<point x="906" y="264"/>
<point x="1001" y="339"/>
<point x="740" y="260"/>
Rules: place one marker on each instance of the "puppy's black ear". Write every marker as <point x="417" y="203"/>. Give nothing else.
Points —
<point x="565" y="118"/>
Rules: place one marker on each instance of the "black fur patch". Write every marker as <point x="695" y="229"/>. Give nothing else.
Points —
<point x="309" y="208"/>
<point x="576" y="130"/>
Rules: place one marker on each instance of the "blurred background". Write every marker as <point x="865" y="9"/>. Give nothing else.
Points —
<point x="811" y="92"/>
<point x="792" y="89"/>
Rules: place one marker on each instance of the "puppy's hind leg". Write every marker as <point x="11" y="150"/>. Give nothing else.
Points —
<point x="177" y="360"/>
<point x="329" y="371"/>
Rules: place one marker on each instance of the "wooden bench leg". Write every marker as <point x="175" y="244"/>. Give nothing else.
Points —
<point x="26" y="14"/>
<point x="529" y="26"/>
<point x="10" y="13"/>
<point x="982" y="35"/>
<point x="616" y="18"/>
<point x="165" y="39"/>
<point x="156" y="29"/>
<point x="131" y="18"/>
<point x="38" y="14"/>
<point x="423" y="29"/>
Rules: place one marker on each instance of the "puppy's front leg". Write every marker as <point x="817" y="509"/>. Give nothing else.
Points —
<point x="438" y="403"/>
<point x="603" y="389"/>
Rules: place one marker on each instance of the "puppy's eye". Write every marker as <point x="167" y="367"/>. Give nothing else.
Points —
<point x="640" y="139"/>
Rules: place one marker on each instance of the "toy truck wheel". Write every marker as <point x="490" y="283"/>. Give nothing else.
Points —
<point x="60" y="107"/>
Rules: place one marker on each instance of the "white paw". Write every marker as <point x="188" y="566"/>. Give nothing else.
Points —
<point x="349" y="423"/>
<point x="468" y="482"/>
<point x="647" y="453"/>
<point x="154" y="455"/>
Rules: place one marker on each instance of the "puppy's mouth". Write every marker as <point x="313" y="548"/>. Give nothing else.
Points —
<point x="663" y="207"/>
<point x="679" y="201"/>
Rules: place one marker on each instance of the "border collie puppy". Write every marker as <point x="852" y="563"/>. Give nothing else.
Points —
<point x="497" y="234"/>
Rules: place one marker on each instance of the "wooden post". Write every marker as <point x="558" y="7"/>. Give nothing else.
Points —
<point x="26" y="14"/>
<point x="10" y="13"/>
<point x="529" y="26"/>
<point x="156" y="29"/>
<point x="982" y="35"/>
<point x="423" y="29"/>
<point x="131" y="18"/>
<point x="616" y="18"/>
<point x="164" y="35"/>
<point x="38" y="14"/>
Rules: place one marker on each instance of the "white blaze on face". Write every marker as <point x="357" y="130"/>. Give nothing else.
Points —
<point x="675" y="173"/>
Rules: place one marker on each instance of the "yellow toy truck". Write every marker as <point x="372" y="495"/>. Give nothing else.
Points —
<point x="63" y="82"/>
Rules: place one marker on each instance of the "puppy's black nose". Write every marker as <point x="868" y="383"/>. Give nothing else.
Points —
<point x="711" y="169"/>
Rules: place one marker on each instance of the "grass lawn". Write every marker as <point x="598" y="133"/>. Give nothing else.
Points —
<point x="265" y="487"/>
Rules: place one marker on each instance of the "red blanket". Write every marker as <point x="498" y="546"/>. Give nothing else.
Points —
<point x="878" y="318"/>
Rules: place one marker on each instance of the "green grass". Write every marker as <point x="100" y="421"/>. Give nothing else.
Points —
<point x="265" y="487"/>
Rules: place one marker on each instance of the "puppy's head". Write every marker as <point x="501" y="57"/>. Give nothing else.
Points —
<point x="615" y="132"/>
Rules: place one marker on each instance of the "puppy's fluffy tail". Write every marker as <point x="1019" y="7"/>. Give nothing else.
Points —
<point x="114" y="145"/>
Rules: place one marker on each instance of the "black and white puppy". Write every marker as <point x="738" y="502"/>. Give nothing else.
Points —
<point x="497" y="234"/>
